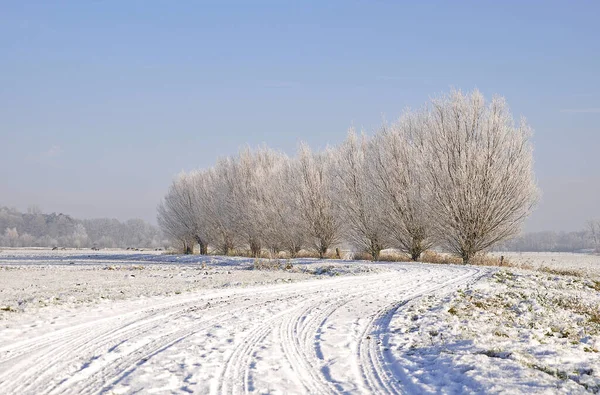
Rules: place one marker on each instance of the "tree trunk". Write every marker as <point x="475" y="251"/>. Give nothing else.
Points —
<point x="203" y="246"/>
<point x="374" y="253"/>
<point x="227" y="246"/>
<point x="375" y="250"/>
<point x="416" y="249"/>
<point x="255" y="248"/>
<point x="322" y="249"/>
<point x="466" y="256"/>
<point x="188" y="249"/>
<point x="294" y="250"/>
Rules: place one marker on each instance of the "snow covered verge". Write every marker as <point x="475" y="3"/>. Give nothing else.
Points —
<point x="515" y="331"/>
<point x="118" y="323"/>
<point x="315" y="336"/>
<point x="587" y="265"/>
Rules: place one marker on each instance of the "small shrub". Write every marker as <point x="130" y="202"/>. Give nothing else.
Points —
<point x="384" y="256"/>
<point x="394" y="256"/>
<point x="241" y="253"/>
<point x="436" y="257"/>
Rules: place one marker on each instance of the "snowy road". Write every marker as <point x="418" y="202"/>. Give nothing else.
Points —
<point x="320" y="336"/>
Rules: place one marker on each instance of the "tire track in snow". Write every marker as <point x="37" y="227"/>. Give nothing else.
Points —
<point x="83" y="340"/>
<point x="98" y="341"/>
<point x="54" y="355"/>
<point x="298" y="328"/>
<point x="240" y="361"/>
<point x="376" y="375"/>
<point x="305" y="333"/>
<point x="300" y="315"/>
<point x="115" y="373"/>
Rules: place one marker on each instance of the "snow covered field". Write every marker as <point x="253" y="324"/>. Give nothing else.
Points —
<point x="586" y="264"/>
<point x="142" y="322"/>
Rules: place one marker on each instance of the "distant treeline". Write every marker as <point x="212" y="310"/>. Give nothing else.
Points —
<point x="34" y="229"/>
<point x="551" y="242"/>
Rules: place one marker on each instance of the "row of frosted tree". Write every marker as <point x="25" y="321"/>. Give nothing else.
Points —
<point x="456" y="174"/>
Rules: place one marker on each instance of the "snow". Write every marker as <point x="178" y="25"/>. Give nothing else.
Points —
<point x="142" y="322"/>
<point x="586" y="264"/>
<point x="516" y="331"/>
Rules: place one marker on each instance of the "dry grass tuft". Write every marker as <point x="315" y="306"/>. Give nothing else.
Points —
<point x="560" y="272"/>
<point x="487" y="260"/>
<point x="594" y="316"/>
<point x="595" y="285"/>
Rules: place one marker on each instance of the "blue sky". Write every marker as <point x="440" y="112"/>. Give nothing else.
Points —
<point x="102" y="102"/>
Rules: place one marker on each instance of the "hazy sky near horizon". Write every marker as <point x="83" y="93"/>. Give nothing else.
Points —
<point x="103" y="102"/>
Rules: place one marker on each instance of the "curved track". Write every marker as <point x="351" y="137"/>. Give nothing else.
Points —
<point x="323" y="336"/>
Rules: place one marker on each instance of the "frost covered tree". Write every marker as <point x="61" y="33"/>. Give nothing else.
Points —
<point x="315" y="199"/>
<point x="204" y="207"/>
<point x="593" y="230"/>
<point x="221" y="205"/>
<point x="80" y="237"/>
<point x="250" y="169"/>
<point x="354" y="196"/>
<point x="26" y="239"/>
<point x="175" y="213"/>
<point x="281" y="218"/>
<point x="12" y="237"/>
<point x="479" y="171"/>
<point x="274" y="204"/>
<point x="396" y="159"/>
<point x="200" y="220"/>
